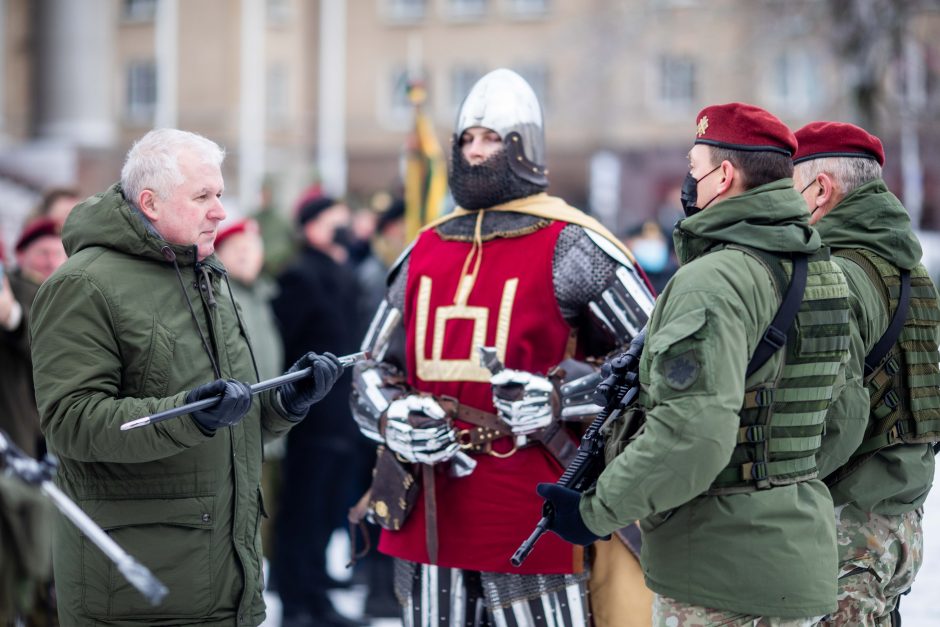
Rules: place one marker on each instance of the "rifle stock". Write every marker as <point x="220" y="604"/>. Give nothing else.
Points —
<point x="621" y="389"/>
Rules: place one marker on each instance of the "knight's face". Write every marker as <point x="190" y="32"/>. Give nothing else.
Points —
<point x="477" y="144"/>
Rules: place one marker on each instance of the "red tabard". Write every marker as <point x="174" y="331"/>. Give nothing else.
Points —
<point x="482" y="518"/>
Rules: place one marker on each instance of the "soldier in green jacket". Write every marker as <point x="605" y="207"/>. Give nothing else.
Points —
<point x="737" y="528"/>
<point x="136" y="321"/>
<point x="880" y="492"/>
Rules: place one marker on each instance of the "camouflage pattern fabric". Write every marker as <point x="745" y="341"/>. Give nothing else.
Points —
<point x="878" y="559"/>
<point x="671" y="613"/>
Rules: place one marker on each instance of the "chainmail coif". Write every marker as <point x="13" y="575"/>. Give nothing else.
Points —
<point x="488" y="184"/>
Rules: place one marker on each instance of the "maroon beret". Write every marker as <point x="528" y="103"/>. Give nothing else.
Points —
<point x="837" y="139"/>
<point x="40" y="227"/>
<point x="741" y="126"/>
<point x="241" y="226"/>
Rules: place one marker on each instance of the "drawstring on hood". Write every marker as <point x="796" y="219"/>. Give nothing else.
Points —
<point x="205" y="283"/>
<point x="170" y="256"/>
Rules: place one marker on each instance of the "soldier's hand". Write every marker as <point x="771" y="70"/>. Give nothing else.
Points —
<point x="234" y="403"/>
<point x="523" y="400"/>
<point x="566" y="520"/>
<point x="419" y="431"/>
<point x="298" y="396"/>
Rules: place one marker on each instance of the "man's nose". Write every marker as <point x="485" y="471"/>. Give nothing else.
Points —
<point x="217" y="211"/>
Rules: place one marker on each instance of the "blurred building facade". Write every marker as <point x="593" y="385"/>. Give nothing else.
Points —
<point x="305" y="88"/>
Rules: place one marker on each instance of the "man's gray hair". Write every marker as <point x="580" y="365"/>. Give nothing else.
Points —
<point x="153" y="161"/>
<point x="848" y="173"/>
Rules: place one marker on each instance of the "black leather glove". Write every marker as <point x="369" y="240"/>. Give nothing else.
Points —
<point x="297" y="397"/>
<point x="231" y="408"/>
<point x="567" y="521"/>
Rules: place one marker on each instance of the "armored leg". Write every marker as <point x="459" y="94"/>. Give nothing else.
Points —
<point x="433" y="595"/>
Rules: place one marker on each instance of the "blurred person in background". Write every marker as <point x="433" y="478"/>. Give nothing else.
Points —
<point x="361" y="232"/>
<point x="136" y="321"/>
<point x="463" y="447"/>
<point x="387" y="244"/>
<point x="277" y="232"/>
<point x="317" y="306"/>
<point x="652" y="251"/>
<point x="39" y="252"/>
<point x="241" y="250"/>
<point x="56" y="204"/>
<point x="879" y="493"/>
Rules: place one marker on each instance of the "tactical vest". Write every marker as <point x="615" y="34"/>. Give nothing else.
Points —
<point x="783" y="421"/>
<point x="903" y="388"/>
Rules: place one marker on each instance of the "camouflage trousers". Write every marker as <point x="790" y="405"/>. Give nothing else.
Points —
<point x="878" y="559"/>
<point x="671" y="613"/>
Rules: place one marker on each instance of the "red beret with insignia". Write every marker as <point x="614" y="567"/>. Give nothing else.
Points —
<point x="34" y="230"/>
<point x="740" y="126"/>
<point x="837" y="139"/>
<point x="242" y="226"/>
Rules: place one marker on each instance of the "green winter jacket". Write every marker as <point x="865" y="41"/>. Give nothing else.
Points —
<point x="113" y="339"/>
<point x="767" y="552"/>
<point x="897" y="479"/>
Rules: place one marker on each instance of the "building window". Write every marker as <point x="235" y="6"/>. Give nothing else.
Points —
<point x="140" y="10"/>
<point x="278" y="12"/>
<point x="141" y="92"/>
<point x="795" y="82"/>
<point x="461" y="80"/>
<point x="537" y="77"/>
<point x="405" y="10"/>
<point x="277" y="94"/>
<point x="527" y="8"/>
<point x="466" y="9"/>
<point x="676" y="86"/>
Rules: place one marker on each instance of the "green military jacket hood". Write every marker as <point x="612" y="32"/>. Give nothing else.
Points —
<point x="872" y="218"/>
<point x="108" y="220"/>
<point x="115" y="335"/>
<point x="771" y="217"/>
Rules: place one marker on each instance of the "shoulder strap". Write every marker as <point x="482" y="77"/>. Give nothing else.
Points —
<point x="893" y="332"/>
<point x="775" y="337"/>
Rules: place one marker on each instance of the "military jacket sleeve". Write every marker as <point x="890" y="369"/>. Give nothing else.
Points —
<point x="847" y="419"/>
<point x="695" y="385"/>
<point x="77" y="368"/>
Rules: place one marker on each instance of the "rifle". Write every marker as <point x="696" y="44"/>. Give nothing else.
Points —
<point x="256" y="388"/>
<point x="39" y="473"/>
<point x="617" y="392"/>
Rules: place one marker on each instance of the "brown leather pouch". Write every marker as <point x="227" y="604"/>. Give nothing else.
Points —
<point x="394" y="490"/>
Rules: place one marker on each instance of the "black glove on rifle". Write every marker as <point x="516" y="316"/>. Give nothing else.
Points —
<point x="297" y="397"/>
<point x="567" y="521"/>
<point x="231" y="408"/>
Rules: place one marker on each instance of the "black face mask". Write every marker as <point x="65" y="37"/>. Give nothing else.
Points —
<point x="689" y="194"/>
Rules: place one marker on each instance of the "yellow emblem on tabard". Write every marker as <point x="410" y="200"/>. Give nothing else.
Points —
<point x="702" y="126"/>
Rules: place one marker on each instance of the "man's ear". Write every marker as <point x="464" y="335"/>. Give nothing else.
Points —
<point x="828" y="192"/>
<point x="728" y="177"/>
<point x="146" y="204"/>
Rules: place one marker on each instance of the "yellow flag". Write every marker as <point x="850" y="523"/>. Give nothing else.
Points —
<point x="425" y="169"/>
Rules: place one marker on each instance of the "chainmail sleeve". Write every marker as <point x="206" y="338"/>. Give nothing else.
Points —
<point x="581" y="272"/>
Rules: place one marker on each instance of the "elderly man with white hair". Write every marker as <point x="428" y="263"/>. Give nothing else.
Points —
<point x="138" y="320"/>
